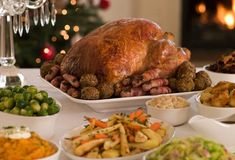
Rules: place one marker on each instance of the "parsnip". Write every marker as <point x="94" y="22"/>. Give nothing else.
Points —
<point x="147" y="145"/>
<point x="152" y="135"/>
<point x="140" y="137"/>
<point x="109" y="144"/>
<point x="124" y="143"/>
<point x="84" y="148"/>
<point x="111" y="153"/>
<point x="92" y="154"/>
<point x="91" y="134"/>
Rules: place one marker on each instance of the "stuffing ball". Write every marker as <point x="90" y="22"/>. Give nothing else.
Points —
<point x="90" y="93"/>
<point x="186" y="70"/>
<point x="185" y="85"/>
<point x="172" y="83"/>
<point x="202" y="81"/>
<point x="45" y="68"/>
<point x="88" y="80"/>
<point x="59" y="58"/>
<point x="106" y="90"/>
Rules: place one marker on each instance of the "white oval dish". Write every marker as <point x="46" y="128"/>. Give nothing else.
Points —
<point x="218" y="76"/>
<point x="43" y="125"/>
<point x="65" y="145"/>
<point x="213" y="112"/>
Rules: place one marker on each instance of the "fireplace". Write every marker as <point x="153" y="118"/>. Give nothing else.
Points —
<point x="208" y="24"/>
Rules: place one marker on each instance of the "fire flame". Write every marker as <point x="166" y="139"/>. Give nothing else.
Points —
<point x="225" y="16"/>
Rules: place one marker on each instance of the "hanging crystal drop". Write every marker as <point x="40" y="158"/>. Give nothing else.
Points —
<point x="27" y="21"/>
<point x="53" y="14"/>
<point x="47" y="12"/>
<point x="21" y="27"/>
<point x="15" y="24"/>
<point x="42" y="13"/>
<point x="35" y="16"/>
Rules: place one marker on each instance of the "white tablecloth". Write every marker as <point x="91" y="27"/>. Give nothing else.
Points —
<point x="72" y="113"/>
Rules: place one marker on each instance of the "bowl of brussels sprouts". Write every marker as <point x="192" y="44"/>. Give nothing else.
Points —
<point x="28" y="106"/>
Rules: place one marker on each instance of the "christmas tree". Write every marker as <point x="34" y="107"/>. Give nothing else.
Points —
<point x="74" y="20"/>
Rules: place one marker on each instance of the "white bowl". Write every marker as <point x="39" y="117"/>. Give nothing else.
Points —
<point x="42" y="125"/>
<point x="66" y="146"/>
<point x="55" y="156"/>
<point x="217" y="76"/>
<point x="175" y="116"/>
<point x="213" y="112"/>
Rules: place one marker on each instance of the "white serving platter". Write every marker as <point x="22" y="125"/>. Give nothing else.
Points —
<point x="122" y="103"/>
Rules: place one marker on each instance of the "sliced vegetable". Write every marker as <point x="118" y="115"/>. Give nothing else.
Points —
<point x="155" y="126"/>
<point x="101" y="136"/>
<point x="97" y="122"/>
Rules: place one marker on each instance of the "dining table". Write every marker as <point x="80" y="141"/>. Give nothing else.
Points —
<point x="72" y="113"/>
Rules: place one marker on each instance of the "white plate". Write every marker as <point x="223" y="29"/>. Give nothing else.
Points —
<point x="65" y="145"/>
<point x="122" y="104"/>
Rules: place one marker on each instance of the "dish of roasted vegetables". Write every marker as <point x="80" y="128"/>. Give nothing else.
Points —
<point x="120" y="135"/>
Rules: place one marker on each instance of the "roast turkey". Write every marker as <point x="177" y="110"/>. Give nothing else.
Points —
<point x="124" y="48"/>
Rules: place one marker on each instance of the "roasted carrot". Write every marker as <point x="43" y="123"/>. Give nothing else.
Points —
<point x="97" y="122"/>
<point x="138" y="112"/>
<point x="134" y="127"/>
<point x="155" y="126"/>
<point x="101" y="136"/>
<point x="142" y="118"/>
<point x="84" y="141"/>
<point x="132" y="116"/>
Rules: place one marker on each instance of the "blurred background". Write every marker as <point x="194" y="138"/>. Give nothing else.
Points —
<point x="206" y="27"/>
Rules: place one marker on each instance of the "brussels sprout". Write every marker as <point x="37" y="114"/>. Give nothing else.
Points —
<point x="9" y="87"/>
<point x="6" y="110"/>
<point x="17" y="89"/>
<point x="2" y="107"/>
<point x="44" y="106"/>
<point x="25" y="86"/>
<point x="1" y="92"/>
<point x="53" y="109"/>
<point x="7" y="92"/>
<point x="15" y="110"/>
<point x="29" y="109"/>
<point x="26" y="112"/>
<point x="3" y="99"/>
<point x="27" y="96"/>
<point x="23" y="112"/>
<point x="35" y="106"/>
<point x="50" y="101"/>
<point x="38" y="96"/>
<point x="42" y="113"/>
<point x="44" y="93"/>
<point x="32" y="89"/>
<point x="21" y="103"/>
<point x="18" y="96"/>
<point x="9" y="103"/>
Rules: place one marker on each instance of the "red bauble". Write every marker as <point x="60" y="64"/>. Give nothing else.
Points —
<point x="48" y="52"/>
<point x="104" y="4"/>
